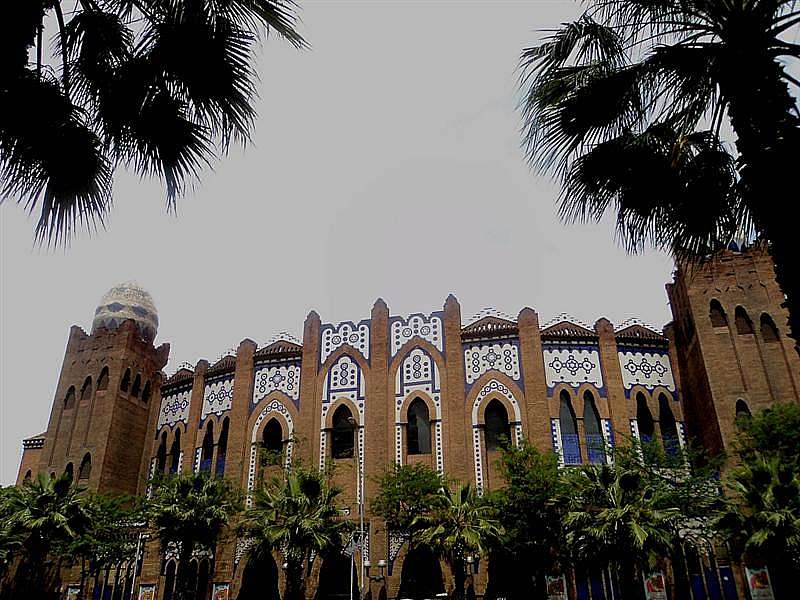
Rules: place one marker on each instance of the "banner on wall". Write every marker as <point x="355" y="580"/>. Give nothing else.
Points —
<point x="556" y="587"/>
<point x="73" y="592"/>
<point x="221" y="591"/>
<point x="759" y="583"/>
<point x="655" y="586"/>
<point x="147" y="591"/>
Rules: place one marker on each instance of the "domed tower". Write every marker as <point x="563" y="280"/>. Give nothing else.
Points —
<point x="104" y="398"/>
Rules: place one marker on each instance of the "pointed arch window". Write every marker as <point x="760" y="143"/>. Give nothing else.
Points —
<point x="418" y="434"/>
<point x="175" y="452"/>
<point x="69" y="399"/>
<point x="644" y="419"/>
<point x="717" y="315"/>
<point x="85" y="470"/>
<point x="744" y="326"/>
<point x="570" y="442"/>
<point x="595" y="444"/>
<point x="743" y="413"/>
<point x="28" y="475"/>
<point x="70" y="471"/>
<point x="768" y="329"/>
<point x="207" y="449"/>
<point x="126" y="381"/>
<point x="146" y="393"/>
<point x="137" y="386"/>
<point x="497" y="430"/>
<point x="669" y="429"/>
<point x="161" y="454"/>
<point x="343" y="433"/>
<point x="222" y="447"/>
<point x="102" y="380"/>
<point x="86" y="390"/>
<point x="272" y="443"/>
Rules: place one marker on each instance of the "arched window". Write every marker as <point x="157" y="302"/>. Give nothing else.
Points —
<point x="102" y="381"/>
<point x="85" y="470"/>
<point x="669" y="429"/>
<point x="126" y="381"/>
<point x="70" y="471"/>
<point x="768" y="329"/>
<point x="175" y="452"/>
<point x="717" y="315"/>
<point x="203" y="574"/>
<point x="207" y="451"/>
<point x="137" y="386"/>
<point x="644" y="418"/>
<point x="343" y="433"/>
<point x="222" y="447"/>
<point x="418" y="434"/>
<point x="28" y="475"/>
<point x="272" y="437"/>
<point x="742" y="411"/>
<point x="744" y="326"/>
<point x="595" y="444"/>
<point x="86" y="390"/>
<point x="161" y="454"/>
<point x="497" y="431"/>
<point x="69" y="399"/>
<point x="569" y="430"/>
<point x="146" y="393"/>
<point x="169" y="580"/>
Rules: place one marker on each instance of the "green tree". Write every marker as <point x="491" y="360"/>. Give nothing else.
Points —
<point x="45" y="513"/>
<point x="774" y="431"/>
<point x="404" y="493"/>
<point x="616" y="519"/>
<point x="625" y="105"/>
<point x="162" y="86"/>
<point x="188" y="512"/>
<point x="530" y="516"/>
<point x="761" y="518"/>
<point x="461" y="524"/>
<point x="296" y="515"/>
<point x="11" y="537"/>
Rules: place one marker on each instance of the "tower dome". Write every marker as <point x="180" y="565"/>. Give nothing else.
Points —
<point x="127" y="301"/>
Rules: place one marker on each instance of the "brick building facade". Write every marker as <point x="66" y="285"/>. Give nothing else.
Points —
<point x="427" y="387"/>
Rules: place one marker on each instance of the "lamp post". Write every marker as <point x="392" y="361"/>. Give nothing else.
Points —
<point x="360" y="484"/>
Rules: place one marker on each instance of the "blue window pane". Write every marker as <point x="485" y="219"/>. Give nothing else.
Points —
<point x="595" y="445"/>
<point x="572" y="449"/>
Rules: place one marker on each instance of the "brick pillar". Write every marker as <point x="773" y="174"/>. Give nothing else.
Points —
<point x="238" y="450"/>
<point x="194" y="435"/>
<point x="612" y="377"/>
<point x="457" y="433"/>
<point x="308" y="426"/>
<point x="537" y="428"/>
<point x="151" y="441"/>
<point x="379" y="407"/>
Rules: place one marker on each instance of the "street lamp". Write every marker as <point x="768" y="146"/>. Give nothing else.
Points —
<point x="381" y="566"/>
<point x="360" y="484"/>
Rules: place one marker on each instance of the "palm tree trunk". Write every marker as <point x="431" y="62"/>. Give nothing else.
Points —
<point x="768" y="139"/>
<point x="293" y="587"/>
<point x="182" y="591"/>
<point x="459" y="578"/>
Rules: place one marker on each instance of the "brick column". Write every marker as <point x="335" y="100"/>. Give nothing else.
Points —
<point x="308" y="423"/>
<point x="238" y="437"/>
<point x="194" y="436"/>
<point x="457" y="435"/>
<point x="535" y="386"/>
<point x="612" y="377"/>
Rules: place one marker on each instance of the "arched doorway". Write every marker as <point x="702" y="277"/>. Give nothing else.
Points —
<point x="333" y="581"/>
<point x="260" y="578"/>
<point x="421" y="576"/>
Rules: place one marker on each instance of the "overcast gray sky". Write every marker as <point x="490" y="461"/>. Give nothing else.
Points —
<point x="386" y="162"/>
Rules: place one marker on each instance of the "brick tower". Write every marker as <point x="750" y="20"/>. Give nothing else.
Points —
<point x="730" y="335"/>
<point x="102" y="407"/>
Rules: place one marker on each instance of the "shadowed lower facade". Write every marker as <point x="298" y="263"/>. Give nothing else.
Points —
<point x="429" y="387"/>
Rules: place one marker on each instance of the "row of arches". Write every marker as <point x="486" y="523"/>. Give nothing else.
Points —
<point x="87" y="389"/>
<point x="667" y="426"/>
<point x="84" y="470"/>
<point x="168" y="456"/>
<point x="136" y="387"/>
<point x="199" y="578"/>
<point x="592" y="430"/>
<point x="742" y="322"/>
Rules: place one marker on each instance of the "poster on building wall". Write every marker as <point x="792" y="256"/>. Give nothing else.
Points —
<point x="73" y="592"/>
<point x="556" y="587"/>
<point x="759" y="583"/>
<point x="221" y="591"/>
<point x="147" y="591"/>
<point x="655" y="587"/>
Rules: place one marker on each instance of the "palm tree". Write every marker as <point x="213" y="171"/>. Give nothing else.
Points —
<point x="188" y="512"/>
<point x="461" y="525"/>
<point x="615" y="520"/>
<point x="297" y="516"/>
<point x="46" y="513"/>
<point x="162" y="86"/>
<point x="762" y="517"/>
<point x="625" y="105"/>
